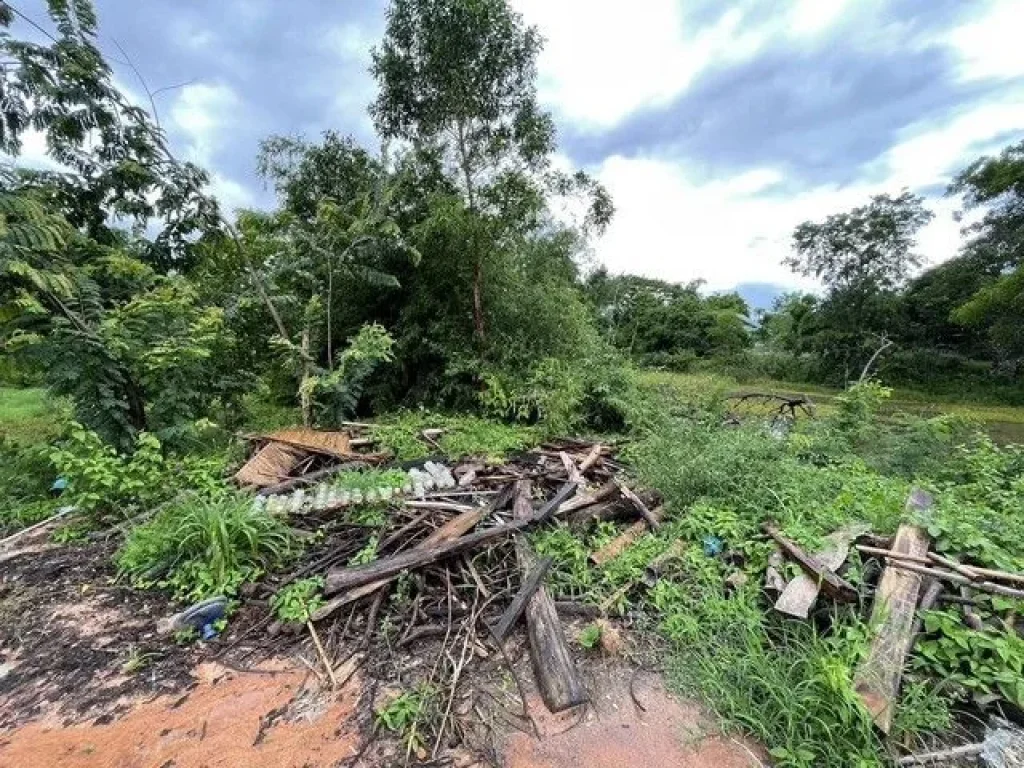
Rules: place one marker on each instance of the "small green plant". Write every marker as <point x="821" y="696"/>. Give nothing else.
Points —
<point x="137" y="660"/>
<point x="186" y="636"/>
<point x="70" y="534"/>
<point x="986" y="664"/>
<point x="299" y="600"/>
<point x="367" y="554"/>
<point x="407" y="714"/>
<point x="589" y="636"/>
<point x="462" y="435"/>
<point x="202" y="547"/>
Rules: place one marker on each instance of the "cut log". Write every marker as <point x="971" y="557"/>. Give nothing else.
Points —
<point x="635" y="500"/>
<point x="592" y="457"/>
<point x="530" y="584"/>
<point x="800" y="594"/>
<point x="832" y="585"/>
<point x="772" y="577"/>
<point x="557" y="679"/>
<point x="615" y="547"/>
<point x="571" y="470"/>
<point x="878" y="677"/>
<point x="932" y="592"/>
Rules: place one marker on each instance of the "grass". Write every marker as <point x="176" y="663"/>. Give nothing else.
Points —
<point x="29" y="416"/>
<point x="1004" y="422"/>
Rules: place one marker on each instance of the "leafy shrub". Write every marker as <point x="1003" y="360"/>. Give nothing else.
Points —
<point x="984" y="663"/>
<point x="299" y="600"/>
<point x="204" y="547"/>
<point x="26" y="474"/>
<point x="107" y="484"/>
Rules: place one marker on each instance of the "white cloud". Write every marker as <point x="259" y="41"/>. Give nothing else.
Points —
<point x="990" y="47"/>
<point x="204" y="113"/>
<point x="604" y="58"/>
<point x="672" y="224"/>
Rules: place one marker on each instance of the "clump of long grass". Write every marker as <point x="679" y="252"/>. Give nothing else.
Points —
<point x="200" y="547"/>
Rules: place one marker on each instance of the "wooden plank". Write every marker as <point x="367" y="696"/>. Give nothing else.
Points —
<point x="801" y="593"/>
<point x="877" y="681"/>
<point x="614" y="548"/>
<point x="557" y="679"/>
<point x="832" y="585"/>
<point x="270" y="465"/>
<point x="515" y="609"/>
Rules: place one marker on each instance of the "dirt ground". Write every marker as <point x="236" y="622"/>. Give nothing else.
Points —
<point x="85" y="682"/>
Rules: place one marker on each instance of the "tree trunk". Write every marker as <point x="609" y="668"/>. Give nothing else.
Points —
<point x="305" y="396"/>
<point x="478" y="265"/>
<point x="478" y="301"/>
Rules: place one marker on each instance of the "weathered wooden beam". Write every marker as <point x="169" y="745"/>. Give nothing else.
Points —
<point x="557" y="679"/>
<point x="831" y="584"/>
<point x="592" y="457"/>
<point x="515" y="609"/>
<point x="877" y="681"/>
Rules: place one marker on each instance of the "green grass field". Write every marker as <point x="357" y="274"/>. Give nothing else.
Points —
<point x="1005" y="423"/>
<point x="29" y="416"/>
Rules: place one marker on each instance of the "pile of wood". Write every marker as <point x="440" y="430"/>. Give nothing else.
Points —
<point x="452" y="567"/>
<point x="913" y="580"/>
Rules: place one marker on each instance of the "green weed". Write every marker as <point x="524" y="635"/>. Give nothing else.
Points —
<point x="299" y="600"/>
<point x="202" y="547"/>
<point x="463" y="435"/>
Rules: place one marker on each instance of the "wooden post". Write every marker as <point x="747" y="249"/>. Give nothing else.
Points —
<point x="877" y="681"/>
<point x="553" y="667"/>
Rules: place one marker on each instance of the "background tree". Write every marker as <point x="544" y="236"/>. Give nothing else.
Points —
<point x="863" y="257"/>
<point x="458" y="78"/>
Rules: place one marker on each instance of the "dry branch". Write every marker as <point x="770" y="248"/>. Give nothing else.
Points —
<point x="635" y="500"/>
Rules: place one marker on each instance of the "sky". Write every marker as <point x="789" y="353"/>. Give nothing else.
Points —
<point x="717" y="125"/>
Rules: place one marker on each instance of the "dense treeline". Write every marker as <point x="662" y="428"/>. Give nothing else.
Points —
<point x="437" y="267"/>
<point x="435" y="272"/>
<point x="958" y="325"/>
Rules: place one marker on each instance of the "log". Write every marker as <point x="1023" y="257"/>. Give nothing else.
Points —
<point x="801" y="593"/>
<point x="633" y="499"/>
<point x="931" y="595"/>
<point x="451" y="530"/>
<point x="614" y="548"/>
<point x="557" y="679"/>
<point x="832" y="585"/>
<point x="877" y="681"/>
<point x="953" y="565"/>
<point x="571" y="470"/>
<point x="530" y="584"/>
<point x="339" y="579"/>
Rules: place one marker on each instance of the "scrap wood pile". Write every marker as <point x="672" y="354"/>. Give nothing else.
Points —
<point x="912" y="579"/>
<point x="445" y="562"/>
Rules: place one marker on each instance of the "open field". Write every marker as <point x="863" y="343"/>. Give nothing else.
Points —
<point x="1005" y="423"/>
<point x="29" y="416"/>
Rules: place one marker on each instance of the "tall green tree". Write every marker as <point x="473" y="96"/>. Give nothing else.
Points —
<point x="863" y="257"/>
<point x="458" y="77"/>
<point x="996" y="249"/>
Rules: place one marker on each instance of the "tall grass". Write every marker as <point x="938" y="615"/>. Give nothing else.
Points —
<point x="203" y="547"/>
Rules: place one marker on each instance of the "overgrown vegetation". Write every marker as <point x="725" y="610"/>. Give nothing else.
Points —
<point x="200" y="547"/>
<point x="440" y="287"/>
